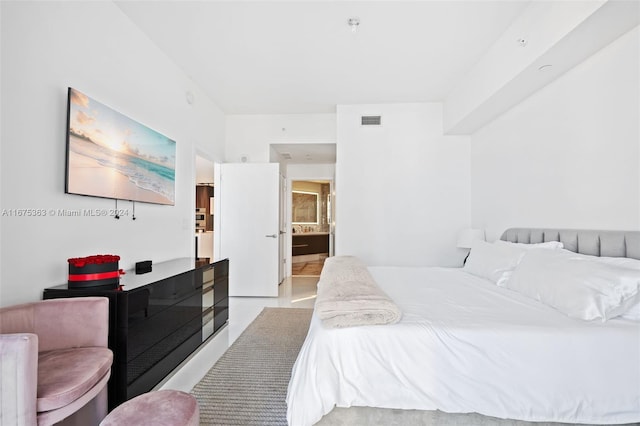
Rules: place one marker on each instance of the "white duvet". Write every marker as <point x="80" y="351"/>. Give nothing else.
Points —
<point x="466" y="345"/>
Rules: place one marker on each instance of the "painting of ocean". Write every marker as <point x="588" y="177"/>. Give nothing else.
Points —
<point x="110" y="155"/>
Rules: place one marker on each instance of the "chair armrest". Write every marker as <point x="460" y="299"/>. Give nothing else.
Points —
<point x="72" y="322"/>
<point x="19" y="378"/>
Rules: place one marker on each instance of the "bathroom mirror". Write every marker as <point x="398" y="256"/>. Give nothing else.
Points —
<point x="305" y="208"/>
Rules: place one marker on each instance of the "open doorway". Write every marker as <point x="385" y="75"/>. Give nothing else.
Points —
<point x="311" y="220"/>
<point x="304" y="162"/>
<point x="204" y="211"/>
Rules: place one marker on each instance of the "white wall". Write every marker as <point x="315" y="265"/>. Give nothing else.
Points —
<point x="403" y="188"/>
<point x="93" y="47"/>
<point x="568" y="155"/>
<point x="252" y="135"/>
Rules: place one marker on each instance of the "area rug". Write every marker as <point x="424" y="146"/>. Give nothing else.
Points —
<point x="365" y="416"/>
<point x="248" y="384"/>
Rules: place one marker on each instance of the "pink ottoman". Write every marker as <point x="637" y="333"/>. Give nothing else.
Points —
<point x="160" y="408"/>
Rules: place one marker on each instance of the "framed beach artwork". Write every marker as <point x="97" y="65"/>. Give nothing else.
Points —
<point x="112" y="156"/>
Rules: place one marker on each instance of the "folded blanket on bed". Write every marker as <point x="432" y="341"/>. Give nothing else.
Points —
<point x="348" y="296"/>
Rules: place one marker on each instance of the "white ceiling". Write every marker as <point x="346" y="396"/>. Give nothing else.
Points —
<point x="286" y="57"/>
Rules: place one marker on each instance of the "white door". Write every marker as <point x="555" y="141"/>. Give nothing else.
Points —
<point x="249" y="227"/>
<point x="282" y="269"/>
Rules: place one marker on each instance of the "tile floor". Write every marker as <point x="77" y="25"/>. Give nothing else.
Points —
<point x="294" y="292"/>
<point x="309" y="269"/>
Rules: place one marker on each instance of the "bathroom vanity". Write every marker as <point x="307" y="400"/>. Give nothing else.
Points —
<point x="309" y="243"/>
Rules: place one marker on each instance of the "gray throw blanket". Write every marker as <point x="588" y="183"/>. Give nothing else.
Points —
<point x="348" y="296"/>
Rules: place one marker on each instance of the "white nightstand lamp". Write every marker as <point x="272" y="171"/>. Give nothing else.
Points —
<point x="466" y="237"/>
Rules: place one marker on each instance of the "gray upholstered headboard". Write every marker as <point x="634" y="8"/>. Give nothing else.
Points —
<point x="594" y="243"/>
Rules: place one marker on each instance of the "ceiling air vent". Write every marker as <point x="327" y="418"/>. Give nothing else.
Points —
<point x="371" y="120"/>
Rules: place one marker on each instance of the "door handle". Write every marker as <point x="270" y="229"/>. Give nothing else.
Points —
<point x="272" y="236"/>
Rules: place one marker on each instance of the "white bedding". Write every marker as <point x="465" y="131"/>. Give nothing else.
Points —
<point x="466" y="345"/>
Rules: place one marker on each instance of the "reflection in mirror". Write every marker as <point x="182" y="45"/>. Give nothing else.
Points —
<point x="305" y="208"/>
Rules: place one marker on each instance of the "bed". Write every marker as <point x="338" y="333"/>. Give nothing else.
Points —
<point x="467" y="345"/>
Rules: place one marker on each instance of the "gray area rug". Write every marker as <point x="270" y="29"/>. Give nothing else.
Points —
<point x="248" y="384"/>
<point x="365" y="416"/>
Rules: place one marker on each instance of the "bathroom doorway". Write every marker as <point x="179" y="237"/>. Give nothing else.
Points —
<point x="311" y="222"/>
<point x="204" y="210"/>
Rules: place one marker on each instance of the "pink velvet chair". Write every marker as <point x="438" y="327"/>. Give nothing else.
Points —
<point x="54" y="361"/>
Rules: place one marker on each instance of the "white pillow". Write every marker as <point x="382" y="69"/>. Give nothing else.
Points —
<point x="579" y="287"/>
<point x="554" y="245"/>
<point x="624" y="262"/>
<point x="633" y="313"/>
<point x="496" y="261"/>
<point x="492" y="261"/>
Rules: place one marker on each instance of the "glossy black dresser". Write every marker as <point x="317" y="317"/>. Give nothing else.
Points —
<point x="157" y="319"/>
